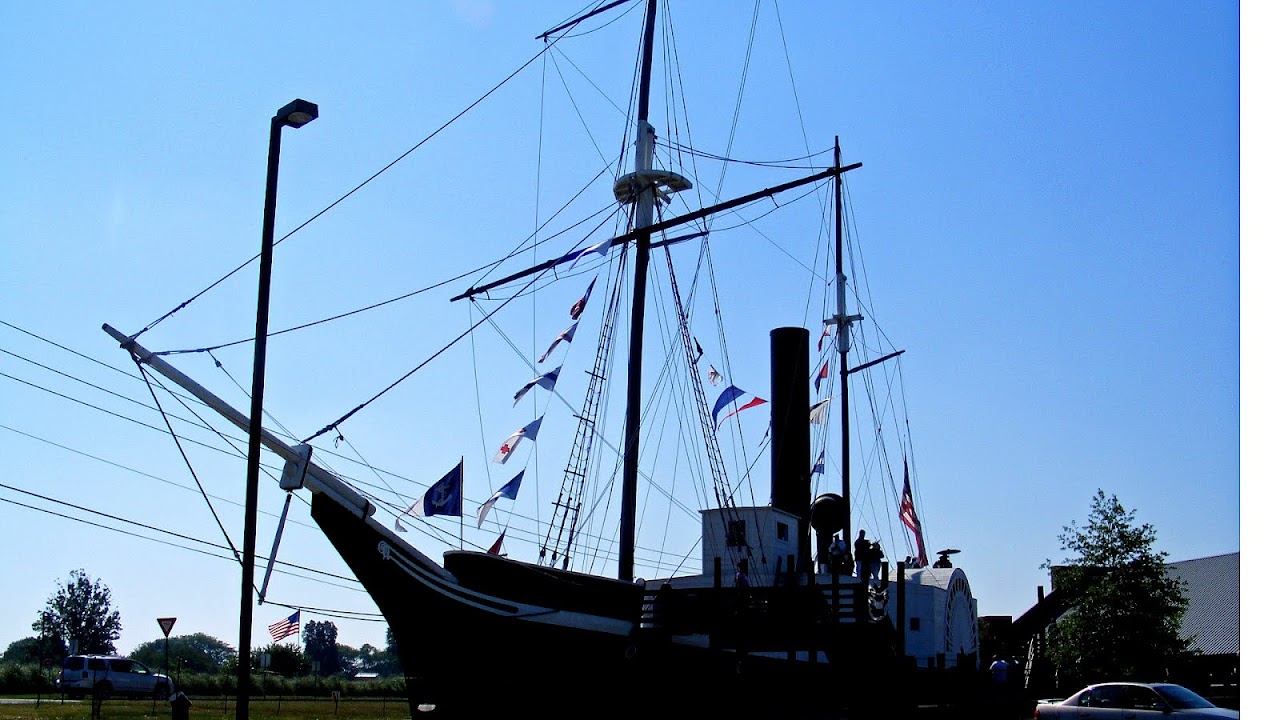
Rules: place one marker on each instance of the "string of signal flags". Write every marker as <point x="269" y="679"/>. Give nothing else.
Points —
<point x="444" y="498"/>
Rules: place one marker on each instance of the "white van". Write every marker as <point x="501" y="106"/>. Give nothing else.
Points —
<point x="105" y="675"/>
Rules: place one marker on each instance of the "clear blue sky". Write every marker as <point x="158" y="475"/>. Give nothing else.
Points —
<point x="1049" y="211"/>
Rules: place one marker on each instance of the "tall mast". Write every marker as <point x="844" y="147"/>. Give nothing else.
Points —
<point x="842" y="322"/>
<point x="643" y="219"/>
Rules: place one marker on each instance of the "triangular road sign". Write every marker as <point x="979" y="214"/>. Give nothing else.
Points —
<point x="166" y="624"/>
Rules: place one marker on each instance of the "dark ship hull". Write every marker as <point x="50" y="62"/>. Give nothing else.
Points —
<point x="484" y="635"/>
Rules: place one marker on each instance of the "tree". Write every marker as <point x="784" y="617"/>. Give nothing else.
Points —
<point x="34" y="650"/>
<point x="351" y="660"/>
<point x="1126" y="612"/>
<point x="286" y="660"/>
<point x="79" y="613"/>
<point x="196" y="652"/>
<point x="392" y="654"/>
<point x="320" y="640"/>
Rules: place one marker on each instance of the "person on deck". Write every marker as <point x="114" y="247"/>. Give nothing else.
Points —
<point x="740" y="580"/>
<point x="862" y="556"/>
<point x="838" y="555"/>
<point x="875" y="556"/>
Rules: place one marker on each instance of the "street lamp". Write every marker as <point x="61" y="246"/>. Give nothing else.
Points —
<point x="295" y="114"/>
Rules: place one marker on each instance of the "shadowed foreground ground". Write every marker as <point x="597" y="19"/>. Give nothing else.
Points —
<point x="209" y="709"/>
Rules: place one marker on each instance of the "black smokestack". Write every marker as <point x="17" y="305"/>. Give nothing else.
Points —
<point x="790" y="429"/>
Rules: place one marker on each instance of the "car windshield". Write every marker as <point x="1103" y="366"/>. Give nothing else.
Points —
<point x="1181" y="698"/>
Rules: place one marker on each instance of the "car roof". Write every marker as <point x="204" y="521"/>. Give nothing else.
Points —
<point x="105" y="657"/>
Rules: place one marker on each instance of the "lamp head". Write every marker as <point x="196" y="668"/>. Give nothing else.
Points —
<point x="298" y="113"/>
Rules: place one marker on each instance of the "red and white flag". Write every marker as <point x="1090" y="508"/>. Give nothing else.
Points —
<point x="509" y="445"/>
<point x="907" y="511"/>
<point x="714" y="377"/>
<point x="826" y="333"/>
<point x="576" y="311"/>
<point x="566" y="336"/>
<point x="496" y="548"/>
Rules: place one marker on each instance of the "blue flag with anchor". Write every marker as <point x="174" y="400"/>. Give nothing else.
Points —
<point x="443" y="498"/>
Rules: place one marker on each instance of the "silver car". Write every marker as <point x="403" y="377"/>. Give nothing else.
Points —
<point x="1132" y="701"/>
<point x="107" y="675"/>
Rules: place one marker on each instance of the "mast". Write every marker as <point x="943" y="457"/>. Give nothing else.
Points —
<point x="644" y="218"/>
<point x="842" y="321"/>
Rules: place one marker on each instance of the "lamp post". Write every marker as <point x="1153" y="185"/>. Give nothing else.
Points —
<point x="295" y="114"/>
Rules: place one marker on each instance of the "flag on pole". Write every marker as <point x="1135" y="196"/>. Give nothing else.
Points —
<point x="509" y="445"/>
<point x="818" y="413"/>
<point x="698" y="347"/>
<point x="907" y="511"/>
<point x="566" y="336"/>
<point x="507" y="491"/>
<point x="496" y="548"/>
<point x="713" y="377"/>
<point x="546" y="380"/>
<point x="576" y="311"/>
<point x="826" y="333"/>
<point x="820" y="467"/>
<point x="822" y="375"/>
<point x="443" y="498"/>
<point x="291" y="625"/>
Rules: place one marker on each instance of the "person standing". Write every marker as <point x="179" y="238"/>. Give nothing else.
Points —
<point x="838" y="555"/>
<point x="862" y="556"/>
<point x="875" y="556"/>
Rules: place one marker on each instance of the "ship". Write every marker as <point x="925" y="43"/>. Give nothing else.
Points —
<point x="765" y="623"/>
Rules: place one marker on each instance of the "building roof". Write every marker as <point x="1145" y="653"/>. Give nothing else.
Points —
<point x="1212" y="588"/>
<point x="1212" y="619"/>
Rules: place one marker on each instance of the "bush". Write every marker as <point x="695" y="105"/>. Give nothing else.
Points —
<point x="25" y="679"/>
<point x="222" y="683"/>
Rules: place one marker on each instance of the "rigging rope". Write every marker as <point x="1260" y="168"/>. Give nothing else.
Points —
<point x="353" y="191"/>
<point x="194" y="476"/>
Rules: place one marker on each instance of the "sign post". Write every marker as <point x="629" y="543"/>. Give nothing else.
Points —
<point x="166" y="624"/>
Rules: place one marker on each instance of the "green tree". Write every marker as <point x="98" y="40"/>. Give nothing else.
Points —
<point x="351" y="660"/>
<point x="286" y="660"/>
<point x="197" y="652"/>
<point x="1126" y="612"/>
<point x="320" y="641"/>
<point x="34" y="650"/>
<point x="79" y="613"/>
<point x="391" y="655"/>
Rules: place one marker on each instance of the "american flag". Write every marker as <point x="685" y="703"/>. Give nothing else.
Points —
<point x="907" y="511"/>
<point x="286" y="627"/>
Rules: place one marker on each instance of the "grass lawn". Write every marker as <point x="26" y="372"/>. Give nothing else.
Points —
<point x="212" y="708"/>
